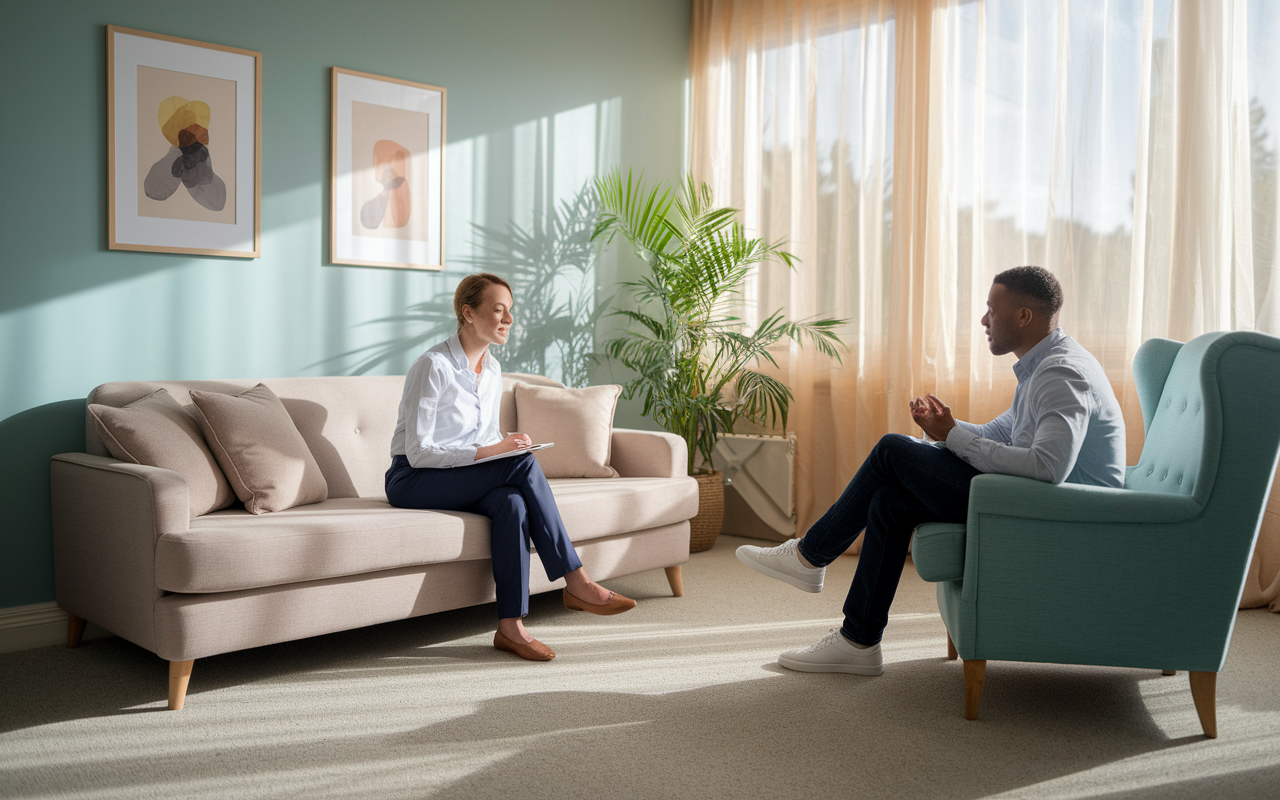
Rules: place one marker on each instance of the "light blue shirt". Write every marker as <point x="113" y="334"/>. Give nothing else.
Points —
<point x="445" y="413"/>
<point x="1065" y="423"/>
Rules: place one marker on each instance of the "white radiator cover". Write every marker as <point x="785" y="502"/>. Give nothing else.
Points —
<point x="759" y="491"/>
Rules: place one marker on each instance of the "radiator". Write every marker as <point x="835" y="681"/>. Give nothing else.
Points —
<point x="759" y="485"/>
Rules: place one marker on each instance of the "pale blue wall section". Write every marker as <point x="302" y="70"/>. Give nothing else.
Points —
<point x="542" y="95"/>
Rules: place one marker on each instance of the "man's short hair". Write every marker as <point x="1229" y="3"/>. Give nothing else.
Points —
<point x="1037" y="284"/>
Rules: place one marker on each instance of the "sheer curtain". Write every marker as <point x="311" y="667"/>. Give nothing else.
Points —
<point x="1262" y="586"/>
<point x="793" y="109"/>
<point x="911" y="150"/>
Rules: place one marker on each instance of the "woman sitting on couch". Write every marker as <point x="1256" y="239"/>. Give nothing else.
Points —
<point x="449" y="420"/>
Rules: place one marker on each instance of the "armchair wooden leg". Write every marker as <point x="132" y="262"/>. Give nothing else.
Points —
<point x="676" y="580"/>
<point x="952" y="655"/>
<point x="1203" y="687"/>
<point x="1168" y="672"/>
<point x="75" y="629"/>
<point x="179" y="676"/>
<point x="975" y="672"/>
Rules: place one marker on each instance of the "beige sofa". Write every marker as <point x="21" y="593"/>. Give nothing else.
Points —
<point x="129" y="557"/>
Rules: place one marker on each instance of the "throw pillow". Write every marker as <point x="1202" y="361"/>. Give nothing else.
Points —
<point x="158" y="432"/>
<point x="579" y="421"/>
<point x="260" y="449"/>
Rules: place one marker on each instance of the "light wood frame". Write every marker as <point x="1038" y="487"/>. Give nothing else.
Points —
<point x="341" y="251"/>
<point x="239" y="234"/>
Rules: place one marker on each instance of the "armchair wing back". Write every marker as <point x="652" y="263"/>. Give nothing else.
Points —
<point x="1207" y="439"/>
<point x="1145" y="576"/>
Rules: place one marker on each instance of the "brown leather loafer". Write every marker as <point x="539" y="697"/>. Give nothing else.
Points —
<point x="616" y="605"/>
<point x="534" y="650"/>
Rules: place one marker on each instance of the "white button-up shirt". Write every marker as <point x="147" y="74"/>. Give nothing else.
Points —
<point x="1065" y="423"/>
<point x="445" y="414"/>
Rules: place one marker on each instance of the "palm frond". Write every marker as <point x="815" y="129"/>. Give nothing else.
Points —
<point x="821" y="333"/>
<point x="763" y="398"/>
<point x="637" y="212"/>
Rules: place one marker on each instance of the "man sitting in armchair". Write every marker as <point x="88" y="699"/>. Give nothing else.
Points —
<point x="1064" y="425"/>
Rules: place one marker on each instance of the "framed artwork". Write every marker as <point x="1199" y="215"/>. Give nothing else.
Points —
<point x="386" y="200"/>
<point x="184" y="145"/>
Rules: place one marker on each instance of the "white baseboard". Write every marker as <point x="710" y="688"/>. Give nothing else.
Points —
<point x="38" y="625"/>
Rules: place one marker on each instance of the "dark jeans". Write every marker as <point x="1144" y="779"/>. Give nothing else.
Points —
<point x="903" y="483"/>
<point x="513" y="493"/>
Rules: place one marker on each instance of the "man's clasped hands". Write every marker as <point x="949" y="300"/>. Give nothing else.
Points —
<point x="934" y="416"/>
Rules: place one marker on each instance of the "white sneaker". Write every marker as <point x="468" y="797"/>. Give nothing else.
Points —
<point x="783" y="562"/>
<point x="834" y="653"/>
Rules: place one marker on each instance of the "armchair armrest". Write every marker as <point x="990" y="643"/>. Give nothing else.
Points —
<point x="1038" y="534"/>
<point x="1094" y="575"/>
<point x="107" y="516"/>
<point x="648" y="454"/>
<point x="1009" y="496"/>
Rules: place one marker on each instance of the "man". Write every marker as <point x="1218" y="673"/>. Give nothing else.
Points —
<point x="1064" y="425"/>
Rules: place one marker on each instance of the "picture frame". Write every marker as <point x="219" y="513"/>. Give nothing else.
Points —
<point x="386" y="198"/>
<point x="184" y="145"/>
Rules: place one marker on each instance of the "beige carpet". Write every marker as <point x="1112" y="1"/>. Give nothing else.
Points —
<point x="678" y="698"/>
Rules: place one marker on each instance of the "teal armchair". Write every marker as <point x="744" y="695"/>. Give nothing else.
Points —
<point x="1147" y="576"/>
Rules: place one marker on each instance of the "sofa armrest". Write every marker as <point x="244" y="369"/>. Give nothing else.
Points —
<point x="648" y="454"/>
<point x="107" y="516"/>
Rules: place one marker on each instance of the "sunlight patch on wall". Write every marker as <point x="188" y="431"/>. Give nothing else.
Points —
<point x="521" y="206"/>
<point x="289" y="313"/>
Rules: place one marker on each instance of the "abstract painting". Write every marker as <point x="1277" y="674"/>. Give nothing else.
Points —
<point x="390" y="162"/>
<point x="388" y="179"/>
<point x="180" y="143"/>
<point x="184" y="145"/>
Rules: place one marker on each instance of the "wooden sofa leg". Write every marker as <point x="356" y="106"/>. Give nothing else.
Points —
<point x="975" y="672"/>
<point x="676" y="580"/>
<point x="952" y="655"/>
<point x="75" y="629"/>
<point x="179" y="676"/>
<point x="1203" y="687"/>
<point x="1168" y="672"/>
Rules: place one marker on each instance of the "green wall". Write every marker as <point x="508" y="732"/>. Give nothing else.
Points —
<point x="541" y="95"/>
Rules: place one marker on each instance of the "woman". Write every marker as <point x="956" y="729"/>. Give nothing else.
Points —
<point x="449" y="420"/>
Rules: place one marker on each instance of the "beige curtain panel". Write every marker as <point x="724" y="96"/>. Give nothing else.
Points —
<point x="911" y="150"/>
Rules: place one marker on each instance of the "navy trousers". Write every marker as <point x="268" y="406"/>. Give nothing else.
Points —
<point x="514" y="494"/>
<point x="903" y="483"/>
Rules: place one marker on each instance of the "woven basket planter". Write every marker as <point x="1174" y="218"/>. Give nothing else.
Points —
<point x="704" y="528"/>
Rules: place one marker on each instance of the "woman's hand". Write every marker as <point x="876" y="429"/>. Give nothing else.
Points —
<point x="521" y="439"/>
<point x="514" y="441"/>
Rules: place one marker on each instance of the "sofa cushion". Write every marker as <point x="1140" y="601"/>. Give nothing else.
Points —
<point x="260" y="449"/>
<point x="938" y="551"/>
<point x="232" y="550"/>
<point x="158" y="432"/>
<point x="507" y="410"/>
<point x="579" y="421"/>
<point x="346" y="421"/>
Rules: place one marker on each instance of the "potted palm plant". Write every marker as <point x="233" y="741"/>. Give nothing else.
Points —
<point x="697" y="367"/>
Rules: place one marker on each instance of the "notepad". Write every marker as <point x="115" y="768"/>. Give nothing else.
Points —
<point x="530" y="449"/>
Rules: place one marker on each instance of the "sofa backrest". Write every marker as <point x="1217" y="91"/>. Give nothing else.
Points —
<point x="347" y="422"/>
